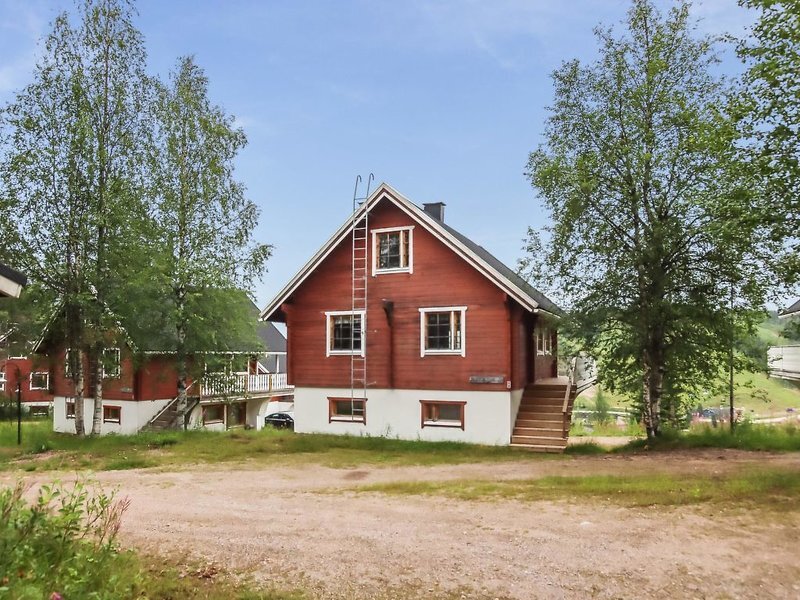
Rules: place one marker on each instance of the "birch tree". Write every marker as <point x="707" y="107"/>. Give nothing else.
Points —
<point x="649" y="243"/>
<point x="203" y="216"/>
<point x="70" y="170"/>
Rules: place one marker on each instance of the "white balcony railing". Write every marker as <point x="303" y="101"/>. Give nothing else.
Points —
<point x="242" y="384"/>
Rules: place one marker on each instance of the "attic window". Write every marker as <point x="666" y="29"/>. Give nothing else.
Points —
<point x="392" y="250"/>
<point x="111" y="363"/>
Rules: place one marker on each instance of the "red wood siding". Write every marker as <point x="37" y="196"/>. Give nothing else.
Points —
<point x="439" y="278"/>
<point x="157" y="379"/>
<point x="19" y="369"/>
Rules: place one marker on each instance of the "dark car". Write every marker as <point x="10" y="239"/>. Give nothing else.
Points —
<point x="280" y="420"/>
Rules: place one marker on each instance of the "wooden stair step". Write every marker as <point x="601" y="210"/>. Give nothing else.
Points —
<point x="539" y="448"/>
<point x="535" y="440"/>
<point x="540" y="423"/>
<point x="548" y="432"/>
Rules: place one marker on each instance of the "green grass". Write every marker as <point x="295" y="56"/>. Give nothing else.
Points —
<point x="777" y="489"/>
<point x="746" y="436"/>
<point x="43" y="449"/>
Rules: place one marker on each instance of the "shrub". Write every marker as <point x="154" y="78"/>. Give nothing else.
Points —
<point x="62" y="544"/>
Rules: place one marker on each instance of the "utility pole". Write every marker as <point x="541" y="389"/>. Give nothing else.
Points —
<point x="19" y="410"/>
<point x="730" y="364"/>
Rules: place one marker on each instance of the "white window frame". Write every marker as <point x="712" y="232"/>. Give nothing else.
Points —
<point x="423" y="315"/>
<point x="3" y="380"/>
<point x="539" y="333"/>
<point x="329" y="327"/>
<point x="409" y="268"/>
<point x="47" y="380"/>
<point x="118" y="370"/>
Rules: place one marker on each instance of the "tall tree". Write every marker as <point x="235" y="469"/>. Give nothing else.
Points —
<point x="640" y="175"/>
<point x="70" y="170"/>
<point x="772" y="121"/>
<point x="203" y="217"/>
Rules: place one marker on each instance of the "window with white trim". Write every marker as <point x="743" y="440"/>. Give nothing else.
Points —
<point x="2" y="379"/>
<point x="345" y="332"/>
<point x="442" y="330"/>
<point x="393" y="250"/>
<point x="442" y="413"/>
<point x="70" y="409"/>
<point x="111" y="363"/>
<point x="40" y="380"/>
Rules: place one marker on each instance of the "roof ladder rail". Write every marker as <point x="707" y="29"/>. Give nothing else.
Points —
<point x="358" y="301"/>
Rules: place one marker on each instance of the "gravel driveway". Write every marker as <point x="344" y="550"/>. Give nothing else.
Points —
<point x="305" y="527"/>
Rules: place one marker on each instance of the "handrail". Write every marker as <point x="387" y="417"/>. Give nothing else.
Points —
<point x="571" y="371"/>
<point x="166" y="407"/>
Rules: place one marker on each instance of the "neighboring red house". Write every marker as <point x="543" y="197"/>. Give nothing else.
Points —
<point x="34" y="380"/>
<point x="401" y="326"/>
<point x="140" y="388"/>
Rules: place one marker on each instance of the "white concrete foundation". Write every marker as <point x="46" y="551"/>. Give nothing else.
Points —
<point x="488" y="416"/>
<point x="134" y="415"/>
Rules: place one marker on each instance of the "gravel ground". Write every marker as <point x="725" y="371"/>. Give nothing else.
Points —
<point x="305" y="527"/>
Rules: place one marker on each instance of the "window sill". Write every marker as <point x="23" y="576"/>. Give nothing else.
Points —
<point x="450" y="424"/>
<point x="345" y="353"/>
<point x="110" y="421"/>
<point x="346" y="419"/>
<point x="391" y="271"/>
<point x="213" y="422"/>
<point x="444" y="353"/>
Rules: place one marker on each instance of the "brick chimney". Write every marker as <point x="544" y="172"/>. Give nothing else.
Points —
<point x="435" y="209"/>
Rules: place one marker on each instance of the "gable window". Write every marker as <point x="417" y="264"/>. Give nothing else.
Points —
<point x="40" y="380"/>
<point x="345" y="332"/>
<point x="442" y="413"/>
<point x="353" y="410"/>
<point x="111" y="363"/>
<point x="442" y="330"/>
<point x="112" y="414"/>
<point x="392" y="250"/>
<point x="70" y="411"/>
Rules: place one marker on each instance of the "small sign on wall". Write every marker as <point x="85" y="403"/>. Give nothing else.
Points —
<point x="486" y="379"/>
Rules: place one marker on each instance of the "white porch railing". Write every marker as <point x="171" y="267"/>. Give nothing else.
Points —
<point x="242" y="384"/>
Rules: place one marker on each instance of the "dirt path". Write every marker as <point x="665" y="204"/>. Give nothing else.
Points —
<point x="301" y="527"/>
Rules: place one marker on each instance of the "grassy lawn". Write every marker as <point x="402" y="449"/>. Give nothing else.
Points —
<point x="773" y="489"/>
<point x="43" y="449"/>
<point x="751" y="390"/>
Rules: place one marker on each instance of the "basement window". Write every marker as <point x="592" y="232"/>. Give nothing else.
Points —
<point x="213" y="413"/>
<point x="70" y="410"/>
<point x="112" y="414"/>
<point x="392" y="250"/>
<point x="353" y="410"/>
<point x="442" y="413"/>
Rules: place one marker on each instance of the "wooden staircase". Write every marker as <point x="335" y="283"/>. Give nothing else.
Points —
<point x="170" y="417"/>
<point x="542" y="424"/>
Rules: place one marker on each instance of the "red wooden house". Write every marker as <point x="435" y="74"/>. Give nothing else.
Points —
<point x="401" y="326"/>
<point x="140" y="387"/>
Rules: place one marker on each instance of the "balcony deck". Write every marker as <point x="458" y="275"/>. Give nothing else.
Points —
<point x="244" y="385"/>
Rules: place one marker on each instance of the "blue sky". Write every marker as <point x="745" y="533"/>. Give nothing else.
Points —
<point x="441" y="99"/>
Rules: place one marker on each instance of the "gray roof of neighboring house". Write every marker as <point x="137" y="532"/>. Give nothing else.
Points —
<point x="274" y="340"/>
<point x="794" y="309"/>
